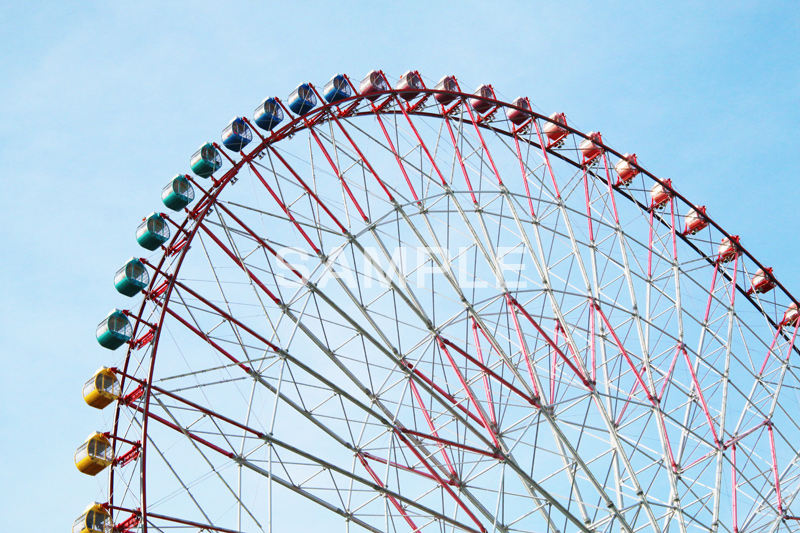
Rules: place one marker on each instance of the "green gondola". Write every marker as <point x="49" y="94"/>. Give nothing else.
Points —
<point x="206" y="160"/>
<point x="131" y="278"/>
<point x="178" y="193"/>
<point x="153" y="232"/>
<point x="114" y="331"/>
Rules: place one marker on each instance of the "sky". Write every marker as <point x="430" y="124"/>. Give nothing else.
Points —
<point x="102" y="102"/>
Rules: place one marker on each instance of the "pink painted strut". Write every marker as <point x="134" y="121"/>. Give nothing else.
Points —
<point x="343" y="182"/>
<point x="702" y="397"/>
<point x="487" y="371"/>
<point x="432" y="426"/>
<point x="523" y="345"/>
<point x="284" y="208"/>
<point x="775" y="468"/>
<point x="391" y="498"/>
<point x="549" y="341"/>
<point x="468" y="390"/>
<point x="546" y="156"/>
<point x="486" y="385"/>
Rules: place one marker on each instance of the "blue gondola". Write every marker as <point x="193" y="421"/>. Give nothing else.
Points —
<point x="236" y="135"/>
<point x="178" y="193"/>
<point x="114" y="331"/>
<point x="206" y="160"/>
<point x="302" y="99"/>
<point x="337" y="89"/>
<point x="268" y="115"/>
<point x="131" y="278"/>
<point x="371" y="84"/>
<point x="153" y="232"/>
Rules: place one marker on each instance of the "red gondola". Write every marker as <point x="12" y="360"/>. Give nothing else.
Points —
<point x="695" y="220"/>
<point x="373" y="83"/>
<point x="660" y="193"/>
<point x="588" y="147"/>
<point x="625" y="169"/>
<point x="518" y="116"/>
<point x="447" y="83"/>
<point x="728" y="249"/>
<point x="791" y="315"/>
<point x="482" y="106"/>
<point x="554" y="131"/>
<point x="410" y="84"/>
<point x="762" y="281"/>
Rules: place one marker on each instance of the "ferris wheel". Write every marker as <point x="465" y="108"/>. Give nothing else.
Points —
<point x="426" y="309"/>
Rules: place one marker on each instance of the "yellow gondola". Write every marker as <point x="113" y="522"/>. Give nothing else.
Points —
<point x="94" y="455"/>
<point x="94" y="520"/>
<point x="101" y="389"/>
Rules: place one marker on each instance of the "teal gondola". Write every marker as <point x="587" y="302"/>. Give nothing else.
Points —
<point x="236" y="135"/>
<point x="337" y="89"/>
<point x="206" y="161"/>
<point x="178" y="193"/>
<point x="114" y="330"/>
<point x="153" y="232"/>
<point x="131" y="278"/>
<point x="268" y="115"/>
<point x="302" y="99"/>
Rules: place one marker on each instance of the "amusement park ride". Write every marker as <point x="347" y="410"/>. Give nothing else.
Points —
<point x="575" y="347"/>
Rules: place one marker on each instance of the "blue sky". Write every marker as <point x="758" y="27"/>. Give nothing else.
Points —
<point x="102" y="102"/>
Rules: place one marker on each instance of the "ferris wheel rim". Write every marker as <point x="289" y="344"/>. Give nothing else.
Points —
<point x="210" y="197"/>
